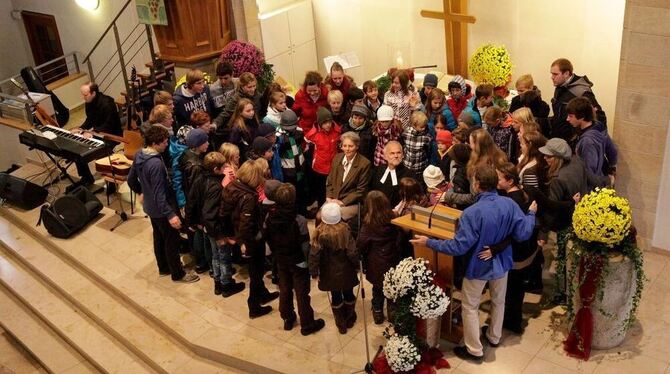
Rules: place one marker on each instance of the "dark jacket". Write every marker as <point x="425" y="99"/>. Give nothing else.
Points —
<point x="392" y="192"/>
<point x="240" y="213"/>
<point x="380" y="249"/>
<point x="203" y="205"/>
<point x="190" y="165"/>
<point x="148" y="176"/>
<point x="243" y="139"/>
<point x="287" y="235"/>
<point x="532" y="100"/>
<point x="596" y="149"/>
<point x="185" y="103"/>
<point x="335" y="267"/>
<point x="223" y="127"/>
<point x="102" y="115"/>
<point x="576" y="87"/>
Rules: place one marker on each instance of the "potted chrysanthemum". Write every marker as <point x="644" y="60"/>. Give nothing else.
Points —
<point x="246" y="57"/>
<point x="492" y="64"/>
<point x="409" y="287"/>
<point x="604" y="271"/>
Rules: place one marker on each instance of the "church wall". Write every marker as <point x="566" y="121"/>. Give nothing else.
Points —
<point x="642" y="119"/>
<point x="13" y="54"/>
<point x="79" y="29"/>
<point x="588" y="33"/>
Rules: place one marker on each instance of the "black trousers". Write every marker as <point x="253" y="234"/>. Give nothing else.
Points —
<point x="257" y="289"/>
<point x="84" y="172"/>
<point x="166" y="248"/>
<point x="319" y="186"/>
<point x="378" y="296"/>
<point x="338" y="297"/>
<point x="514" y="297"/>
<point x="293" y="279"/>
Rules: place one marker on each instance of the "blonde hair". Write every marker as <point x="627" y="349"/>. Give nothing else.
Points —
<point x="418" y="118"/>
<point x="193" y="76"/>
<point x="252" y="172"/>
<point x="525" y="80"/>
<point x="276" y="96"/>
<point x="246" y="78"/>
<point x="333" y="237"/>
<point x="159" y="114"/>
<point x="229" y="151"/>
<point x="485" y="151"/>
<point x="492" y="114"/>
<point x="213" y="160"/>
<point x="335" y="95"/>
<point x="162" y="97"/>
<point x="522" y="115"/>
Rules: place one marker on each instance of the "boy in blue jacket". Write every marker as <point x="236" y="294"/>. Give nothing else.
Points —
<point x="490" y="220"/>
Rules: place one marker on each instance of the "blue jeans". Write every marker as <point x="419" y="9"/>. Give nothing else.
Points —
<point x="202" y="249"/>
<point x="222" y="262"/>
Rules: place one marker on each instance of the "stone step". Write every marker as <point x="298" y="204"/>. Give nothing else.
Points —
<point x="221" y="337"/>
<point x="100" y="349"/>
<point x="49" y="349"/>
<point x="145" y="340"/>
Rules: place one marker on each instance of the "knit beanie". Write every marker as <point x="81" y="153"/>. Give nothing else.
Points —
<point x="430" y="80"/>
<point x="288" y="118"/>
<point x="261" y="145"/>
<point x="458" y="79"/>
<point x="444" y="137"/>
<point x="331" y="213"/>
<point x="360" y="110"/>
<point x="323" y="115"/>
<point x="385" y="113"/>
<point x="196" y="138"/>
<point x="432" y="176"/>
<point x="265" y="129"/>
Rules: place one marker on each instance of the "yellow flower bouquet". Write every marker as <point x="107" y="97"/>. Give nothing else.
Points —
<point x="602" y="217"/>
<point x="491" y="64"/>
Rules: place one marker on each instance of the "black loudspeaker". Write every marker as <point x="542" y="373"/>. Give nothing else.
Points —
<point x="21" y="193"/>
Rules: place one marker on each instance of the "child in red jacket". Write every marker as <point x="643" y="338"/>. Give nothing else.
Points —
<point x="325" y="137"/>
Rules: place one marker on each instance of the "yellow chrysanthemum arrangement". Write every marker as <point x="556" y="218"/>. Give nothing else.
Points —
<point x="602" y="217"/>
<point x="491" y="64"/>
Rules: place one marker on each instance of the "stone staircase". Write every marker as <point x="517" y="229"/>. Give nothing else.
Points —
<point x="65" y="303"/>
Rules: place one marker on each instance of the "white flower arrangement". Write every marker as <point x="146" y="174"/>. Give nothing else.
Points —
<point x="430" y="302"/>
<point x="401" y="354"/>
<point x="409" y="275"/>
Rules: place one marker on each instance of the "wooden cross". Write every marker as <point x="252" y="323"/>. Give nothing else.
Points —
<point x="455" y="34"/>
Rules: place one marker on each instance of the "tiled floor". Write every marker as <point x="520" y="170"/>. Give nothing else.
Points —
<point x="645" y="350"/>
<point x="15" y="359"/>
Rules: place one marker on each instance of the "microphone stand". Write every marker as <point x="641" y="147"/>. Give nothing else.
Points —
<point x="430" y="216"/>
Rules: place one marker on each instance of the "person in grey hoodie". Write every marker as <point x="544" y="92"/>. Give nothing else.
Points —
<point x="148" y="176"/>
<point x="594" y="146"/>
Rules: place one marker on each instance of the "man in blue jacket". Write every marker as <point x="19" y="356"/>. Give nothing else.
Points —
<point x="489" y="221"/>
<point x="148" y="176"/>
<point x="594" y="145"/>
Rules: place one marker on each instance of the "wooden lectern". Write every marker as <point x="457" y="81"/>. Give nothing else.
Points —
<point x="443" y="226"/>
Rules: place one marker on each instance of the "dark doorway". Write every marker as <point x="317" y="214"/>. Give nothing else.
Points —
<point x="45" y="45"/>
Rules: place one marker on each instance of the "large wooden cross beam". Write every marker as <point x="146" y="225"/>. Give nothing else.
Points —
<point x="455" y="34"/>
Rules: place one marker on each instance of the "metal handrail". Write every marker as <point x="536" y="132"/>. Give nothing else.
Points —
<point x="88" y="56"/>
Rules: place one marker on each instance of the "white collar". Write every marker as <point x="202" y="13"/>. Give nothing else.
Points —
<point x="394" y="177"/>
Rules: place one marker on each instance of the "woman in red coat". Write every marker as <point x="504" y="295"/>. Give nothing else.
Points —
<point x="309" y="99"/>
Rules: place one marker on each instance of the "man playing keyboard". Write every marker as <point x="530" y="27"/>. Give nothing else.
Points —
<point x="101" y="116"/>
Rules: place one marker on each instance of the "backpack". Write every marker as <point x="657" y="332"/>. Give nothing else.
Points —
<point x="70" y="212"/>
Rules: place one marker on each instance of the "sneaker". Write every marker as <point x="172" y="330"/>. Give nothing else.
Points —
<point x="485" y="329"/>
<point x="317" y="325"/>
<point x="189" y="278"/>
<point x="218" y="287"/>
<point x="289" y="323"/>
<point x="260" y="312"/>
<point x="269" y="297"/>
<point x="463" y="354"/>
<point x="229" y="290"/>
<point x="201" y="269"/>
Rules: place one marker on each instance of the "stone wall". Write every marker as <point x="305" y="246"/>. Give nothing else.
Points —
<point x="643" y="109"/>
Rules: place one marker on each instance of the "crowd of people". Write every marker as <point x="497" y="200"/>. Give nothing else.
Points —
<point x="239" y="172"/>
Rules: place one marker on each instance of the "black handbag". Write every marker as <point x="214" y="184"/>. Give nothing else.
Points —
<point x="70" y="213"/>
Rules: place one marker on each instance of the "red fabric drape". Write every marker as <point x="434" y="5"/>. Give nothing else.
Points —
<point x="578" y="343"/>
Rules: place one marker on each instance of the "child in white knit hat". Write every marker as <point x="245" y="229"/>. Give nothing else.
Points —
<point x="333" y="259"/>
